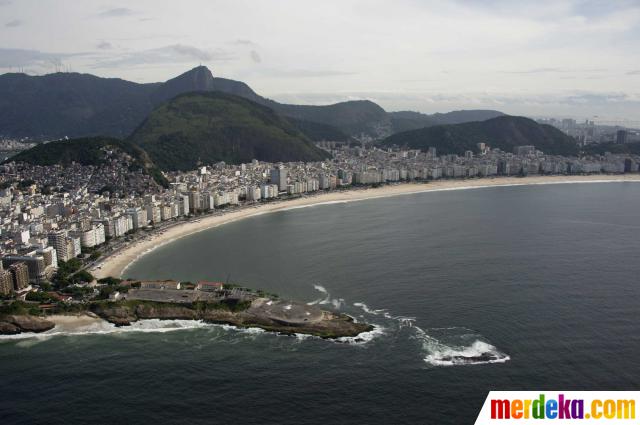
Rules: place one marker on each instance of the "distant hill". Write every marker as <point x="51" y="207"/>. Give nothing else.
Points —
<point x="352" y="118"/>
<point x="470" y="115"/>
<point x="87" y="151"/>
<point x="79" y="105"/>
<point x="409" y="120"/>
<point x="207" y="127"/>
<point x="504" y="132"/>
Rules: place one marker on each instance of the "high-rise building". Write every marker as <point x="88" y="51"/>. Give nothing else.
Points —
<point x="58" y="240"/>
<point x="253" y="193"/>
<point x="621" y="136"/>
<point x="153" y="213"/>
<point x="20" y="274"/>
<point x="183" y="205"/>
<point x="36" y="267"/>
<point x="138" y="217"/>
<point x="279" y="177"/>
<point x="74" y="248"/>
<point x="6" y="282"/>
<point x="194" y="202"/>
<point x="50" y="256"/>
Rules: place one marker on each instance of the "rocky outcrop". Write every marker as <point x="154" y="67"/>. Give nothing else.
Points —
<point x="165" y="312"/>
<point x="9" y="329"/>
<point x="11" y="325"/>
<point x="328" y="325"/>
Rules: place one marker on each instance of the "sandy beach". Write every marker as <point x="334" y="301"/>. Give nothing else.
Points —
<point x="115" y="264"/>
<point x="76" y="322"/>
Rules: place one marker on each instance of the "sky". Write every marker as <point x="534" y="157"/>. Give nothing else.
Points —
<point x="544" y="58"/>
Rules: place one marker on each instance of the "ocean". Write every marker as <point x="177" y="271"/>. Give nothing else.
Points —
<point x="543" y="279"/>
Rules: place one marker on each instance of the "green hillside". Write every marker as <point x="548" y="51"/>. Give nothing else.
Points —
<point x="319" y="132"/>
<point x="87" y="151"/>
<point x="207" y="127"/>
<point x="504" y="133"/>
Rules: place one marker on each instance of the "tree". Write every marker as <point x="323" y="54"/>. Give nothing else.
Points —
<point x="111" y="281"/>
<point x="82" y="276"/>
<point x="41" y="297"/>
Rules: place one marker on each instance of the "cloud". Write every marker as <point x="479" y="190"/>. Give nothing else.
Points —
<point x="15" y="58"/>
<point x="536" y="71"/>
<point x="14" y="23"/>
<point x="104" y="45"/>
<point x="305" y="73"/>
<point x="177" y="53"/>
<point x="255" y="56"/>
<point x="554" y="71"/>
<point x="116" y="12"/>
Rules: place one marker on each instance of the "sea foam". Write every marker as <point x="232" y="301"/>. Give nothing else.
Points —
<point x="459" y="353"/>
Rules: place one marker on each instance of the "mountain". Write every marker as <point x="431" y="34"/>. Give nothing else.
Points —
<point x="353" y="118"/>
<point x="318" y="132"/>
<point x="409" y="120"/>
<point x="504" y="133"/>
<point x="207" y="127"/>
<point x="88" y="151"/>
<point x="69" y="104"/>
<point x="470" y="115"/>
<point x="79" y="105"/>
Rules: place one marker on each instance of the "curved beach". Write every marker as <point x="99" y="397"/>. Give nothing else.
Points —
<point x="116" y="264"/>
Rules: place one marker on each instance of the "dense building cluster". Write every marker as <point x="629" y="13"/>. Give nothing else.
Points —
<point x="41" y="228"/>
<point x="588" y="132"/>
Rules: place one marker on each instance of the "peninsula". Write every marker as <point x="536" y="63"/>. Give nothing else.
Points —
<point x="211" y="302"/>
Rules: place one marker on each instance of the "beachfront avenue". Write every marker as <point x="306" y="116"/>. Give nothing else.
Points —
<point x="63" y="226"/>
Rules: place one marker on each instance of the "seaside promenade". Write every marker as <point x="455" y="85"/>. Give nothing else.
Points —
<point x="115" y="264"/>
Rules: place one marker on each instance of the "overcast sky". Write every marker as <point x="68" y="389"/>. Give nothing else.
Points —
<point x="537" y="58"/>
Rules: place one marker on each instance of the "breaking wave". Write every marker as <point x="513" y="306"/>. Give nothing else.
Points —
<point x="335" y="302"/>
<point x="364" y="337"/>
<point x="459" y="350"/>
<point x="448" y="346"/>
<point x="100" y="327"/>
<point x="403" y="320"/>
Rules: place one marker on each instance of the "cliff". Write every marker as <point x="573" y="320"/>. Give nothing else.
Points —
<point x="262" y="313"/>
<point x="15" y="324"/>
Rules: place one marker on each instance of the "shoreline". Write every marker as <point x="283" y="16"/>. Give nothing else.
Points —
<point x="116" y="264"/>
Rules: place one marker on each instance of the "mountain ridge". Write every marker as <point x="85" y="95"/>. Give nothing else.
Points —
<point x="503" y="132"/>
<point x="80" y="105"/>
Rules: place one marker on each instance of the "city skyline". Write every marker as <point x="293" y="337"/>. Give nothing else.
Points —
<point x="570" y="58"/>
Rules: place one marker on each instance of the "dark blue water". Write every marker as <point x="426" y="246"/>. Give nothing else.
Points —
<point x="545" y="278"/>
